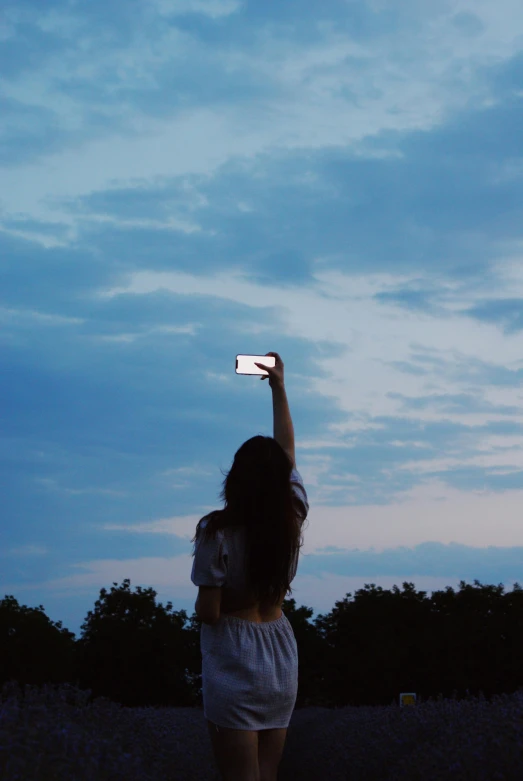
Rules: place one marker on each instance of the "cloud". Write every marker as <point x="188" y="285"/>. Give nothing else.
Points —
<point x="183" y="182"/>
<point x="260" y="85"/>
<point x="28" y="131"/>
<point x="459" y="367"/>
<point x="508" y="312"/>
<point x="413" y="298"/>
<point x="213" y="8"/>
<point x="200" y="221"/>
<point x="465" y="403"/>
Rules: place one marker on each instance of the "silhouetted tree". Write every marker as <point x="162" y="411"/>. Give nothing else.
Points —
<point x="364" y="652"/>
<point x="33" y="649"/>
<point x="376" y="644"/>
<point x="479" y="639"/>
<point x="133" y="651"/>
<point x="312" y="671"/>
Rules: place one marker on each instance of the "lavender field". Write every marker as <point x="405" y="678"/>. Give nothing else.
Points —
<point x="51" y="733"/>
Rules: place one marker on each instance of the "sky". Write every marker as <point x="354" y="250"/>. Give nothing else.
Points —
<point x="185" y="180"/>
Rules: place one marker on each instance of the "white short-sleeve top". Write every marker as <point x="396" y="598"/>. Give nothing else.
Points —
<point x="220" y="561"/>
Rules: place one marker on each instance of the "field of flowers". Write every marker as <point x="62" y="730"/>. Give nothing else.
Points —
<point x="52" y="734"/>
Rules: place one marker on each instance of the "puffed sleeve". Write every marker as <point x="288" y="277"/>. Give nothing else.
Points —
<point x="209" y="566"/>
<point x="299" y="494"/>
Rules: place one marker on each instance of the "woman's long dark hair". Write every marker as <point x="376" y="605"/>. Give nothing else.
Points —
<point x="257" y="495"/>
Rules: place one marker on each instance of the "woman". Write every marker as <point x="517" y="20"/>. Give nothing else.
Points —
<point x="246" y="557"/>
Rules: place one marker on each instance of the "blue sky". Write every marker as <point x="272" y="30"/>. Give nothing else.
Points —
<point x="185" y="180"/>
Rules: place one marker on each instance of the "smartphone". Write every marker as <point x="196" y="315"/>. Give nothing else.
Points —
<point x="245" y="364"/>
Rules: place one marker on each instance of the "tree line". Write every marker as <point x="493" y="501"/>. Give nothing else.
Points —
<point x="365" y="651"/>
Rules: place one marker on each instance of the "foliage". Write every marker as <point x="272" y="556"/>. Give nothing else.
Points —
<point x="128" y="703"/>
<point x="367" y="650"/>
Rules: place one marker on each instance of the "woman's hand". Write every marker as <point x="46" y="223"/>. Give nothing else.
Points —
<point x="276" y="378"/>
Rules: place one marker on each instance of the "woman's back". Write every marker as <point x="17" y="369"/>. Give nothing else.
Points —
<point x="238" y="599"/>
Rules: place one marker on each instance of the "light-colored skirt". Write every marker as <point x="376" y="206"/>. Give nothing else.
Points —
<point x="249" y="672"/>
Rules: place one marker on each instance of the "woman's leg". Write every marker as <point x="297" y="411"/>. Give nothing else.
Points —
<point x="271" y="743"/>
<point x="235" y="752"/>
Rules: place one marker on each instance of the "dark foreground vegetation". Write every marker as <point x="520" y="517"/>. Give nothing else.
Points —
<point x="124" y="700"/>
